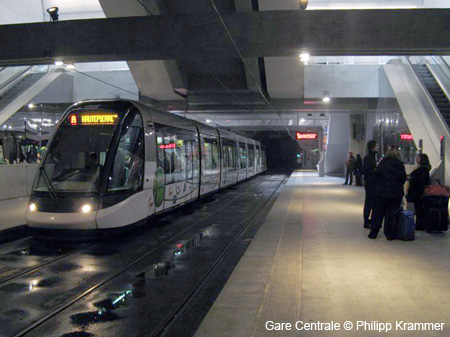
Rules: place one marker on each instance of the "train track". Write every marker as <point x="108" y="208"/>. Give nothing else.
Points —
<point x="121" y="271"/>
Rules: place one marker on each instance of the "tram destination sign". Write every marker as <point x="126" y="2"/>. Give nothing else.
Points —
<point x="305" y="135"/>
<point x="91" y="118"/>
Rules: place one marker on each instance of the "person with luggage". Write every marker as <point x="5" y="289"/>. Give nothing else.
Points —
<point x="358" y="170"/>
<point x="369" y="172"/>
<point x="350" y="166"/>
<point x="419" y="178"/>
<point x="390" y="178"/>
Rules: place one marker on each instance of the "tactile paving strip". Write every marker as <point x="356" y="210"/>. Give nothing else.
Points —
<point x="282" y="299"/>
<point x="266" y="283"/>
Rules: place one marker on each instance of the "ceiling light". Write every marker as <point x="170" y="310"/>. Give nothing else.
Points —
<point x="326" y="97"/>
<point x="53" y="11"/>
<point x="31" y="105"/>
<point x="304" y="57"/>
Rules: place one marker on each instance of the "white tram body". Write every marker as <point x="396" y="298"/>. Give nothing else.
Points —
<point x="114" y="163"/>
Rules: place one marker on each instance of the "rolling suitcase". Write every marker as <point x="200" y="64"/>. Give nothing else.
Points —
<point x="436" y="213"/>
<point x="406" y="225"/>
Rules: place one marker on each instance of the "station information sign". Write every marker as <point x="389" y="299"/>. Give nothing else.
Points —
<point x="93" y="118"/>
<point x="305" y="135"/>
<point x="406" y="136"/>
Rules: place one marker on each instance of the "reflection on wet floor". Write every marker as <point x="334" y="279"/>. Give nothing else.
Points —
<point x="184" y="246"/>
<point x="38" y="247"/>
<point x="105" y="312"/>
<point x="32" y="285"/>
<point x="78" y="334"/>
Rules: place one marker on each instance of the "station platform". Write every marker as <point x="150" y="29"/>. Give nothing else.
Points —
<point x="12" y="213"/>
<point x="311" y="262"/>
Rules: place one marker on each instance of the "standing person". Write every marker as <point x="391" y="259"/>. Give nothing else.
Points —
<point x="358" y="169"/>
<point x="350" y="167"/>
<point x="369" y="171"/>
<point x="419" y="178"/>
<point x="391" y="177"/>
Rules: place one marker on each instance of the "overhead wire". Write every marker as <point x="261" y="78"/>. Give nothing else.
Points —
<point x="223" y="84"/>
<point x="245" y="64"/>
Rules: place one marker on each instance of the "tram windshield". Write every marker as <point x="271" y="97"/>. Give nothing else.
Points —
<point x="77" y="154"/>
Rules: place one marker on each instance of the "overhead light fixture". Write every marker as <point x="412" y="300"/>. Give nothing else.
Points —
<point x="53" y="11"/>
<point x="304" y="57"/>
<point x="326" y="97"/>
<point x="59" y="63"/>
<point x="303" y="4"/>
<point x="31" y="105"/>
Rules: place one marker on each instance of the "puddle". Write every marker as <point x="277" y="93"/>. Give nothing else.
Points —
<point x="64" y="267"/>
<point x="17" y="313"/>
<point x="156" y="270"/>
<point x="105" y="310"/>
<point x="86" y="318"/>
<point x="31" y="285"/>
<point x="115" y="301"/>
<point x="78" y="334"/>
<point x="184" y="246"/>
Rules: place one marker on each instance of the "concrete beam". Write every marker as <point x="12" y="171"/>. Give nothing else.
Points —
<point x="257" y="34"/>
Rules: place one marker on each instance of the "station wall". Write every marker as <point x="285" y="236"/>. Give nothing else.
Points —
<point x="341" y="80"/>
<point x="16" y="180"/>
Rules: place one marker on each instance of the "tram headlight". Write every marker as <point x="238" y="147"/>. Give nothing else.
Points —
<point x="32" y="207"/>
<point x="86" y="208"/>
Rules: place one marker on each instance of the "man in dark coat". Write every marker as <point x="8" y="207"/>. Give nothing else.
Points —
<point x="350" y="166"/>
<point x="420" y="177"/>
<point x="369" y="171"/>
<point x="391" y="177"/>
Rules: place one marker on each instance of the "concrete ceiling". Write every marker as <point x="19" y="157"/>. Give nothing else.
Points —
<point x="226" y="82"/>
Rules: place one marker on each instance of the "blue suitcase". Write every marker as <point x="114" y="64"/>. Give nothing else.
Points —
<point x="406" y="226"/>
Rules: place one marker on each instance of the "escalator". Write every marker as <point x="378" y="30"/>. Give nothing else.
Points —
<point x="18" y="85"/>
<point x="436" y="92"/>
<point x="421" y="90"/>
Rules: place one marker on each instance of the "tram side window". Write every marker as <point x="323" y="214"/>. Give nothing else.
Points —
<point x="128" y="168"/>
<point x="176" y="152"/>
<point x="229" y="156"/>
<point x="211" y="155"/>
<point x="243" y="156"/>
<point x="251" y="156"/>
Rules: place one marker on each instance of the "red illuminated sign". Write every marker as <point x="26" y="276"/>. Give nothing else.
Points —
<point x="308" y="135"/>
<point x="406" y="136"/>
<point x="73" y="120"/>
<point x="168" y="146"/>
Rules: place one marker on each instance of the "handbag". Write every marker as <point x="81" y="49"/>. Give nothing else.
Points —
<point x="436" y="191"/>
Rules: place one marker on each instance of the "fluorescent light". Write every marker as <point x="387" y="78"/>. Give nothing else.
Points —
<point x="318" y="8"/>
<point x="304" y="57"/>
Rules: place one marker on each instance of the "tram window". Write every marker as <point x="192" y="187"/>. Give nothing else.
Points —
<point x="128" y="168"/>
<point x="176" y="153"/>
<point x="229" y="155"/>
<point x="251" y="156"/>
<point x="243" y="156"/>
<point x="211" y="156"/>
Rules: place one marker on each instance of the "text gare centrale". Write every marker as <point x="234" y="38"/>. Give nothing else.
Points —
<point x="300" y="325"/>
